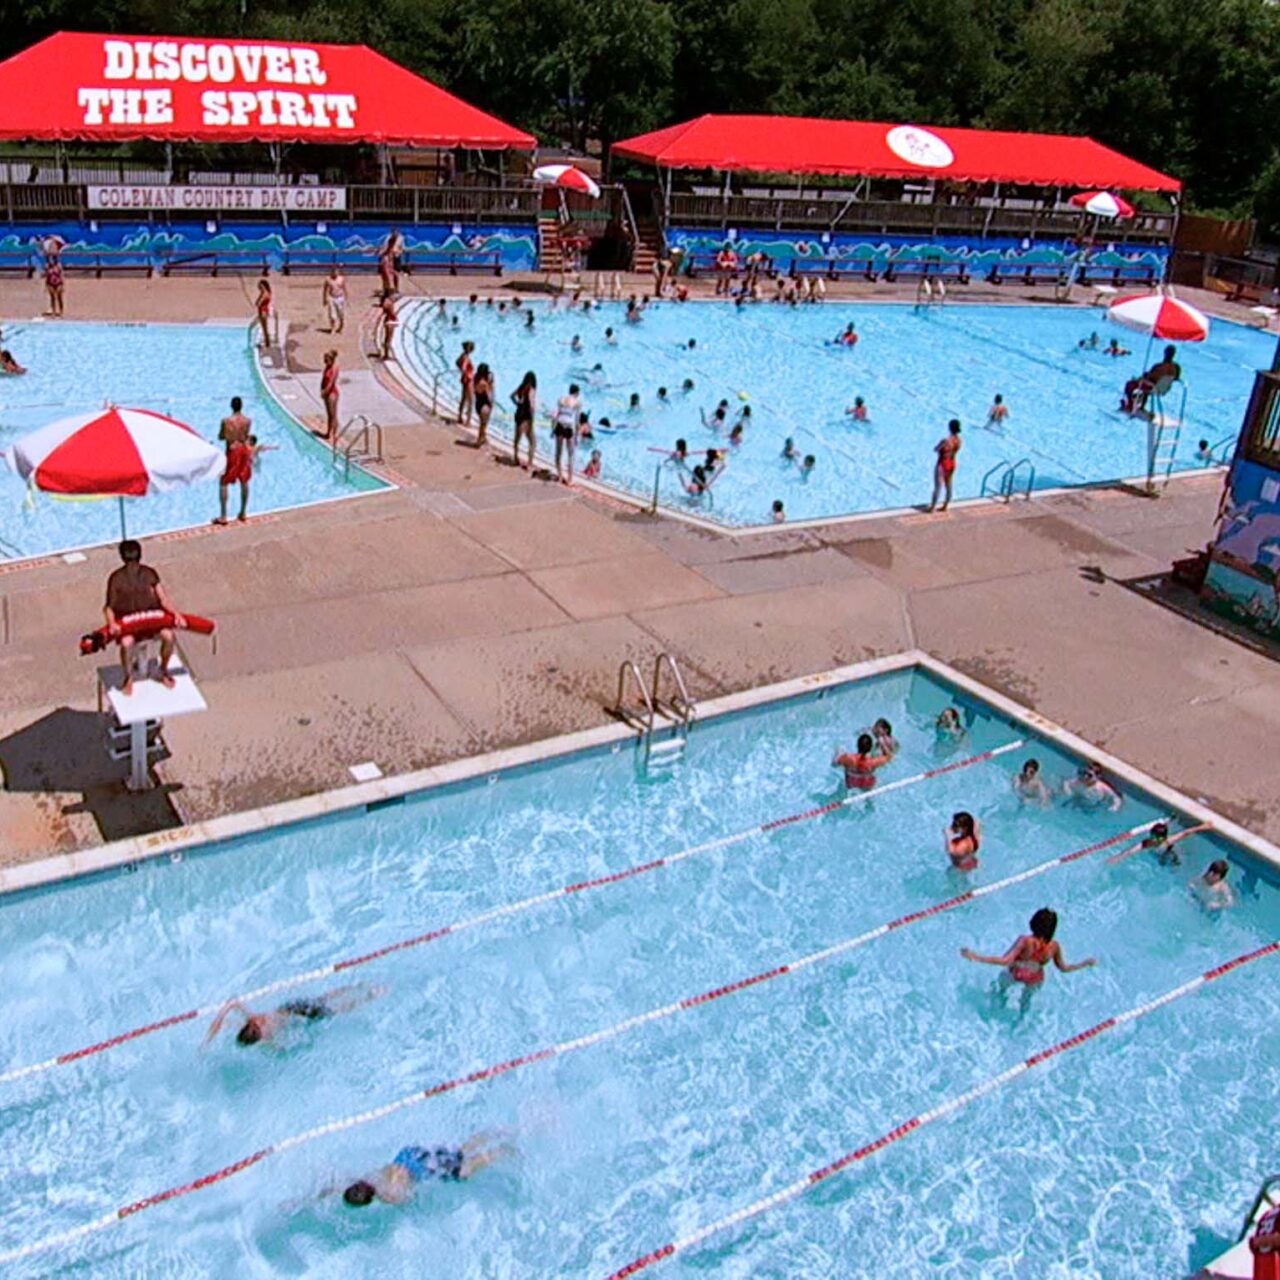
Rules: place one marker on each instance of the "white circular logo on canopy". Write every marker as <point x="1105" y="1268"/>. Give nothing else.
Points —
<point x="915" y="145"/>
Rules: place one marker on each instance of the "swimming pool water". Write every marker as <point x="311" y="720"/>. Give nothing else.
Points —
<point x="1104" y="1165"/>
<point x="188" y="371"/>
<point x="915" y="370"/>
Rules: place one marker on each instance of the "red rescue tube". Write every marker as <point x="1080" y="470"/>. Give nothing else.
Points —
<point x="145" y="626"/>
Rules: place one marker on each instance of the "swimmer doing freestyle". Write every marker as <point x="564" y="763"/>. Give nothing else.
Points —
<point x="264" y="1028"/>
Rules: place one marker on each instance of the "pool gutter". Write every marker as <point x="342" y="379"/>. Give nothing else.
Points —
<point x="128" y="853"/>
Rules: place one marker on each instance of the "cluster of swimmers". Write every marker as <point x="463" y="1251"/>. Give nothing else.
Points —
<point x="1089" y="788"/>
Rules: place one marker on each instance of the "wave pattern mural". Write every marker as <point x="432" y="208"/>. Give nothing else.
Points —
<point x="152" y="242"/>
<point x="978" y="255"/>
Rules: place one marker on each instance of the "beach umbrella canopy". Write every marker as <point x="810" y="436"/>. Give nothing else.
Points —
<point x="114" y="453"/>
<point x="568" y="177"/>
<point x="1160" y="316"/>
<point x="1104" y="204"/>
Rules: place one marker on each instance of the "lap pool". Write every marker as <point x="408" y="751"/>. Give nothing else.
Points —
<point x="188" y="371"/>
<point x="565" y="947"/>
<point x="915" y="370"/>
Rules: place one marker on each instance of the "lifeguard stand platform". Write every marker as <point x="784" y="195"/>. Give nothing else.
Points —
<point x="135" y="722"/>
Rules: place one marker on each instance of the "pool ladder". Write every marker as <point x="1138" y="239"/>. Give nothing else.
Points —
<point x="1005" y="477"/>
<point x="663" y="726"/>
<point x="360" y="440"/>
<point x="1163" y="432"/>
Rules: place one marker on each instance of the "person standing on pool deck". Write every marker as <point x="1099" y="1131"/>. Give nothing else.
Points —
<point x="333" y="297"/>
<point x="234" y="433"/>
<point x="525" y="399"/>
<point x="1027" y="959"/>
<point x="482" y="388"/>
<point x="262" y="305"/>
<point x="564" y="424"/>
<point x="397" y="1182"/>
<point x="262" y="1028"/>
<point x="945" y="469"/>
<point x="55" y="284"/>
<point x="389" y="320"/>
<point x="1161" y="843"/>
<point x="466" y="378"/>
<point x="329" y="394"/>
<point x="136" y="588"/>
<point x="860" y="766"/>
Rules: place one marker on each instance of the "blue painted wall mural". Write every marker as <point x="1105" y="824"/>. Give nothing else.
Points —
<point x="518" y="245"/>
<point x="978" y="255"/>
<point x="1243" y="581"/>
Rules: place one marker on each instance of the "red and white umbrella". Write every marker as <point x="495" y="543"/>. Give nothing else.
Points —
<point x="1104" y="204"/>
<point x="1160" y="316"/>
<point x="569" y="177"/>
<point x="114" y="453"/>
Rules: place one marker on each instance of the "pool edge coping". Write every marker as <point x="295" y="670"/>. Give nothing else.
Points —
<point x="117" y="854"/>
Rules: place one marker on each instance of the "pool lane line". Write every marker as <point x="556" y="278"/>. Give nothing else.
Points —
<point x="794" y="1190"/>
<point x="494" y="913"/>
<point x="559" y="1050"/>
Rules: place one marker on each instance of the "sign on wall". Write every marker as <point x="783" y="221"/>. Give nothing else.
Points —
<point x="235" y="199"/>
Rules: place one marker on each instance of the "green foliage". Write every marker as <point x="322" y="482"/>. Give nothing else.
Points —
<point x="1189" y="86"/>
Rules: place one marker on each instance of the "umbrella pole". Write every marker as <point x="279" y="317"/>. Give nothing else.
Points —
<point x="123" y="532"/>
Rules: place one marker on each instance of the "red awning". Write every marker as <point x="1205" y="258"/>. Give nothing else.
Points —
<point x="792" y="144"/>
<point x="123" y="88"/>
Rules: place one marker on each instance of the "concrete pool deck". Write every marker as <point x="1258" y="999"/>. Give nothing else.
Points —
<point x="474" y="608"/>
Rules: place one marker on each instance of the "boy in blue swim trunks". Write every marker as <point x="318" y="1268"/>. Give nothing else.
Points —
<point x="395" y="1183"/>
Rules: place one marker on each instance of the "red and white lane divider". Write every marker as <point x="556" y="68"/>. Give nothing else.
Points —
<point x="560" y="1050"/>
<point x="495" y="913"/>
<point x="794" y="1190"/>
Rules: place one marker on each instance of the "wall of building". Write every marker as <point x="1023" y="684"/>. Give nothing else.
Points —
<point x="979" y="254"/>
<point x="518" y="245"/>
<point x="1243" y="581"/>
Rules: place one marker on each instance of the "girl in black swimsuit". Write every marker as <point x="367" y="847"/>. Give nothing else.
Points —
<point x="483" y="390"/>
<point x="525" y="399"/>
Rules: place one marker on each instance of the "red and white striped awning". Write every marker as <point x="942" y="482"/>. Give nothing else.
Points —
<point x="115" y="453"/>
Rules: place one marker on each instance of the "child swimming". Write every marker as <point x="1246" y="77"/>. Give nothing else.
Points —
<point x="779" y="512"/>
<point x="962" y="840"/>
<point x="997" y="415"/>
<point x="860" y="766"/>
<point x="858" y="410"/>
<point x="1030" y="787"/>
<point x="1161" y="843"/>
<point x="1211" y="890"/>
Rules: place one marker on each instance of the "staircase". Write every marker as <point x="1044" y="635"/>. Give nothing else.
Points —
<point x="648" y="246"/>
<point x="550" y="255"/>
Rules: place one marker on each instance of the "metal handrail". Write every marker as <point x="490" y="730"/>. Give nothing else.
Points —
<point x="684" y="707"/>
<point x="365" y="429"/>
<point x="1159" y="428"/>
<point x="1226" y="443"/>
<point x="1011" y="478"/>
<point x="629" y="667"/>
<point x="1003" y="467"/>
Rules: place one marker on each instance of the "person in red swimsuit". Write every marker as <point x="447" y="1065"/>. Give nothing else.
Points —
<point x="962" y="841"/>
<point x="1027" y="959"/>
<point x="946" y="449"/>
<point x="860" y="766"/>
<point x="234" y="433"/>
<point x="467" y="379"/>
<point x="329" y="394"/>
<point x="262" y="305"/>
